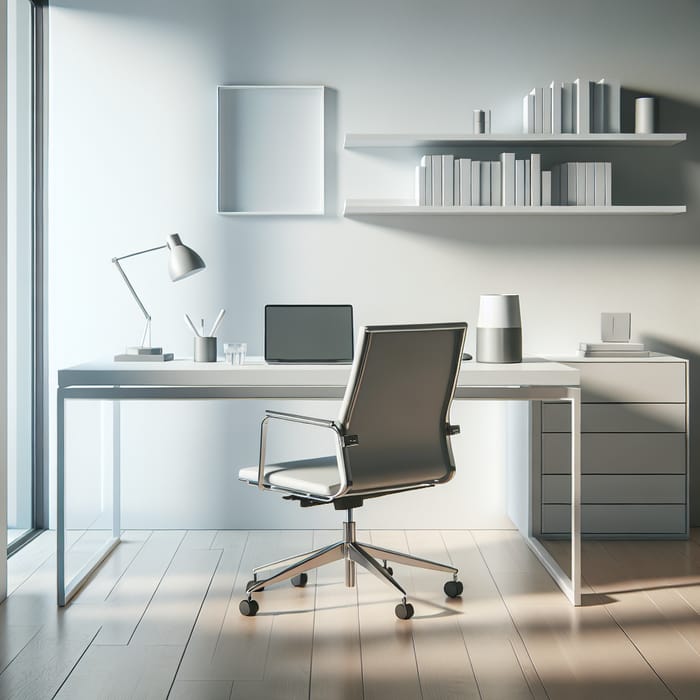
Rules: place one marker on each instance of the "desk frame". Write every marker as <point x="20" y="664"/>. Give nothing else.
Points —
<point x="571" y="586"/>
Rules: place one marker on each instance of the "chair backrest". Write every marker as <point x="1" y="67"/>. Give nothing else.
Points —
<point x="397" y="402"/>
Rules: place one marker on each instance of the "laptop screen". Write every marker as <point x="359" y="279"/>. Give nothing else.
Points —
<point x="308" y="333"/>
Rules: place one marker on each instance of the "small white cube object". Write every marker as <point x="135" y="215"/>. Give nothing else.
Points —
<point x="615" y="327"/>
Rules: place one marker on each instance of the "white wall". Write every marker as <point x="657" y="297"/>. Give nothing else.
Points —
<point x="132" y="158"/>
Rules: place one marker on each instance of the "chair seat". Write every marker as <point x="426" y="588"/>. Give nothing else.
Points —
<point x="313" y="476"/>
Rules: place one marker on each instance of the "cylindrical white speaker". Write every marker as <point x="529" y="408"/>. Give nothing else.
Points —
<point x="499" y="337"/>
<point x="644" y="122"/>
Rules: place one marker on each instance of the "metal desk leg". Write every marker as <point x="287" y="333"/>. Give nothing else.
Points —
<point x="575" y="396"/>
<point x="66" y="590"/>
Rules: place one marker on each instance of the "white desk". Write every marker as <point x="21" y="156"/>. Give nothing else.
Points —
<point x="532" y="380"/>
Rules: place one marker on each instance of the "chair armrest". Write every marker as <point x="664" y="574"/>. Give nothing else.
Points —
<point x="309" y="420"/>
<point x="294" y="418"/>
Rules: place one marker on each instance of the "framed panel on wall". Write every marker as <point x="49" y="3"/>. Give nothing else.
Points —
<point x="271" y="150"/>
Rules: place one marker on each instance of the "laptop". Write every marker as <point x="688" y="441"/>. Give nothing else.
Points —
<point x="309" y="333"/>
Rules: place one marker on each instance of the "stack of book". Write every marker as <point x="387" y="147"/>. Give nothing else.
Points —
<point x="582" y="184"/>
<point x="446" y="181"/>
<point x="613" y="350"/>
<point x="581" y="107"/>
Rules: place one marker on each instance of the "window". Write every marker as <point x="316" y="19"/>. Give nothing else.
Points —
<point x="25" y="512"/>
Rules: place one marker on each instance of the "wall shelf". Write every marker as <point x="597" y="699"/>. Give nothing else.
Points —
<point x="457" y="140"/>
<point x="360" y="207"/>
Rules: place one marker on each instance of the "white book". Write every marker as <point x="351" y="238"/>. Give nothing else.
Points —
<point x="608" y="184"/>
<point x="427" y="163"/>
<point x="567" y="108"/>
<point x="420" y="185"/>
<point x="590" y="184"/>
<point x="555" y="91"/>
<point x="519" y="183"/>
<point x="611" y="345"/>
<point x="546" y="111"/>
<point x="571" y="184"/>
<point x="455" y="184"/>
<point x="528" y="193"/>
<point x="610" y="90"/>
<point x="598" y="109"/>
<point x="508" y="179"/>
<point x="529" y="114"/>
<point x="599" y="187"/>
<point x="556" y="184"/>
<point x="485" y="196"/>
<point x="583" y="105"/>
<point x="487" y="121"/>
<point x="535" y="180"/>
<point x="437" y="180"/>
<point x="496" y="197"/>
<point x="580" y="184"/>
<point x="448" y="171"/>
<point x="465" y="182"/>
<point x="546" y="188"/>
<point x="536" y="95"/>
<point x="476" y="183"/>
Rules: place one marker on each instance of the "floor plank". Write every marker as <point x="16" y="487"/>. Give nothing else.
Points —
<point x="201" y="690"/>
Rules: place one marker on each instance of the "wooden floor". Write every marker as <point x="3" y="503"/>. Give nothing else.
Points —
<point x="160" y="619"/>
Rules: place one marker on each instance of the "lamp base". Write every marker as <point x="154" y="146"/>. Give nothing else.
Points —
<point x="139" y="354"/>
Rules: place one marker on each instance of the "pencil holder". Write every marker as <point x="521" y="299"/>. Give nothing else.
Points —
<point x="205" y="349"/>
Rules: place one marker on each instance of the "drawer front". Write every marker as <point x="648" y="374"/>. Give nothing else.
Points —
<point x="616" y="418"/>
<point x="616" y="453"/>
<point x="616" y="488"/>
<point x="617" y="520"/>
<point x="630" y="382"/>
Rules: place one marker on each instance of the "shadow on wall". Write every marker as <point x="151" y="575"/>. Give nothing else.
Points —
<point x="693" y="356"/>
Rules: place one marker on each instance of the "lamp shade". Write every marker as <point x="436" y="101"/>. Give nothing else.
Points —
<point x="183" y="261"/>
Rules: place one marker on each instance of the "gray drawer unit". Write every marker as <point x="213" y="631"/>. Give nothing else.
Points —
<point x="634" y="450"/>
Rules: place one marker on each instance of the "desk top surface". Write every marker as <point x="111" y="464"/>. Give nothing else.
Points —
<point x="530" y="372"/>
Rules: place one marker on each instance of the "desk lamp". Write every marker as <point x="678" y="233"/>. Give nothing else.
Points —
<point x="182" y="262"/>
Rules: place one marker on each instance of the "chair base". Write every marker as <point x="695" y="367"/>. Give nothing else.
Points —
<point x="352" y="552"/>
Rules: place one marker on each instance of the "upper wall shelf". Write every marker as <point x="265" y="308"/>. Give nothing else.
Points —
<point x="427" y="140"/>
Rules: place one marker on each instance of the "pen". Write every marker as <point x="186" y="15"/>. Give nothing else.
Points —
<point x="201" y="324"/>
<point x="191" y="325"/>
<point x="214" y="328"/>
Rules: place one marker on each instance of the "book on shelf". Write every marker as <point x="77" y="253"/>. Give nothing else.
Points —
<point x="567" y="109"/>
<point x="448" y="169"/>
<point x="580" y="184"/>
<point x="485" y="191"/>
<point x="476" y="183"/>
<point x="599" y="192"/>
<point x="535" y="180"/>
<point x="508" y="179"/>
<point x="420" y="185"/>
<point x="598" y="109"/>
<point x="555" y="97"/>
<point x="546" y="111"/>
<point x="465" y="182"/>
<point x="528" y="191"/>
<point x="582" y="95"/>
<point x="546" y="188"/>
<point x="590" y="184"/>
<point x="427" y="163"/>
<point x="570" y="184"/>
<point x="611" y="90"/>
<point x="529" y="113"/>
<point x="455" y="184"/>
<point x="519" y="183"/>
<point x="556" y="184"/>
<point x="496" y="197"/>
<point x="608" y="184"/>
<point x="537" y="94"/>
<point x="619" y="346"/>
<point x="437" y="180"/>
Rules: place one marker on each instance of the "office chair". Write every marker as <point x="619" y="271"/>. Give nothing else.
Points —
<point x="393" y="435"/>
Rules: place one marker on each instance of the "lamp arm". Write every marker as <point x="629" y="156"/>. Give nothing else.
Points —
<point x="139" y="252"/>
<point x="147" y="316"/>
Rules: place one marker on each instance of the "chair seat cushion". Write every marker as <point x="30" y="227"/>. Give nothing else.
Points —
<point x="317" y="477"/>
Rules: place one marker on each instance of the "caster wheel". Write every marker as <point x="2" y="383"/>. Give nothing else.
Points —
<point x="404" y="611"/>
<point x="250" y="583"/>
<point x="453" y="589"/>
<point x="249" y="608"/>
<point x="300" y="581"/>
